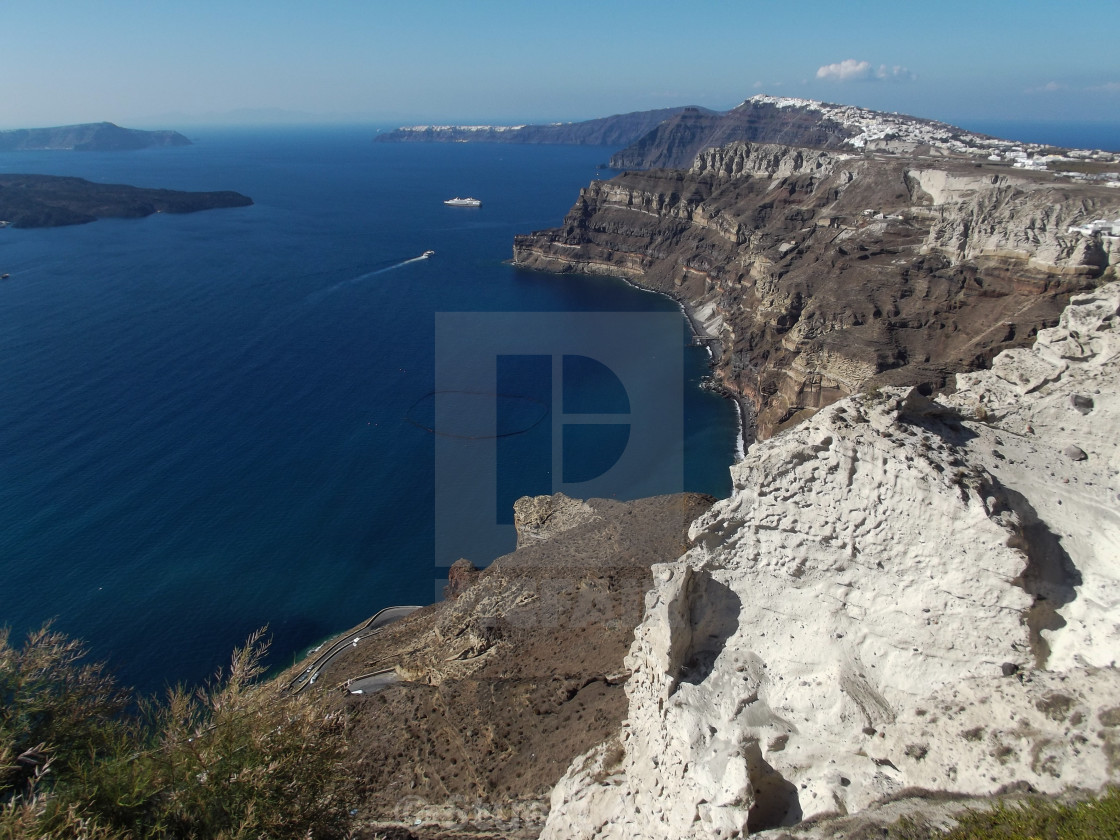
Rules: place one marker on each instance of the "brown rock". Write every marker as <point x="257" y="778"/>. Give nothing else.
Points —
<point x="462" y="574"/>
<point x="503" y="686"/>
<point x="929" y="284"/>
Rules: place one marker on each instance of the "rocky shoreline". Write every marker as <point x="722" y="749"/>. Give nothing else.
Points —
<point x="744" y="409"/>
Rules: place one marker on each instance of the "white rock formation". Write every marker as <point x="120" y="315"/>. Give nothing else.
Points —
<point x="898" y="593"/>
<point x="1008" y="216"/>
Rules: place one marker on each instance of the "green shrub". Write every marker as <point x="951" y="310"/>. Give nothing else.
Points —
<point x="239" y="758"/>
<point x="1096" y="818"/>
<point x="1092" y="819"/>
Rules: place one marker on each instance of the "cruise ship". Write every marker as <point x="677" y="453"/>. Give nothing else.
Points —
<point x="463" y="202"/>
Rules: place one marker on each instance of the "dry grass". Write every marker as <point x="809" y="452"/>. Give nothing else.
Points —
<point x="238" y="758"/>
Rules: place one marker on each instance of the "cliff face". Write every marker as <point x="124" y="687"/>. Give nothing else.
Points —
<point x="675" y="143"/>
<point x="87" y="137"/>
<point x="798" y="122"/>
<point x="823" y="271"/>
<point x="899" y="593"/>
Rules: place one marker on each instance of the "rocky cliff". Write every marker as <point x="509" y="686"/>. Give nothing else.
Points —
<point x="823" y="271"/>
<point x="800" y="122"/>
<point x="87" y="137"/>
<point x="676" y="141"/>
<point x="899" y="593"/>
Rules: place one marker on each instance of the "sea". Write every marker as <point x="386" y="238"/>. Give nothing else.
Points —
<point x="221" y="421"/>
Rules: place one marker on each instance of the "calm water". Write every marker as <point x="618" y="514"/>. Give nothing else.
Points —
<point x="207" y="421"/>
<point x="1097" y="135"/>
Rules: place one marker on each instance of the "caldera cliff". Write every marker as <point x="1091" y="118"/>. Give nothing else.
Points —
<point x="822" y="272"/>
<point x="906" y="597"/>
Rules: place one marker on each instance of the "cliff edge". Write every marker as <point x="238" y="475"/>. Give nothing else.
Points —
<point x="899" y="593"/>
<point x="490" y="694"/>
<point x="822" y="272"/>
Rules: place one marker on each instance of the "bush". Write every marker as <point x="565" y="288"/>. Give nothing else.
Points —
<point x="54" y="708"/>
<point x="1096" y="818"/>
<point x="239" y="758"/>
<point x="1092" y="819"/>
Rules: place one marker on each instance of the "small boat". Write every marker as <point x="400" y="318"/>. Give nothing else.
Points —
<point x="4" y="276"/>
<point x="463" y="202"/>
<point x="427" y="254"/>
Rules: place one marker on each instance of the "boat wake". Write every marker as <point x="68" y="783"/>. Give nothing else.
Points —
<point x="315" y="297"/>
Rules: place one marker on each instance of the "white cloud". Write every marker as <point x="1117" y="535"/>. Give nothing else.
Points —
<point x="758" y="85"/>
<point x="844" y="71"/>
<point x="851" y="70"/>
<point x="1107" y="87"/>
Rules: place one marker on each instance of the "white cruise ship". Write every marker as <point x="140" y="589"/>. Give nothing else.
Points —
<point x="463" y="202"/>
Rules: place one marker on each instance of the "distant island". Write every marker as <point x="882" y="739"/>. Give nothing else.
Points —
<point x="87" y="137"/>
<point x="618" y="130"/>
<point x="31" y="201"/>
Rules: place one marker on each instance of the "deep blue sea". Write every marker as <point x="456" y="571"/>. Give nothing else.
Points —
<point x="1104" y="135"/>
<point x="219" y="421"/>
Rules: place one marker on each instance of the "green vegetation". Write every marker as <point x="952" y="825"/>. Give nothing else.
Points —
<point x="1097" y="818"/>
<point x="1092" y="819"/>
<point x="236" y="759"/>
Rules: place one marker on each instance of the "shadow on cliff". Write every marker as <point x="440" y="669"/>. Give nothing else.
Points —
<point x="775" y="798"/>
<point x="1050" y="576"/>
<point x="710" y="618"/>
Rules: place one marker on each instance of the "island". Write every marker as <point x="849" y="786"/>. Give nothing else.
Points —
<point x="31" y="201"/>
<point x="616" y="130"/>
<point x="87" y="137"/>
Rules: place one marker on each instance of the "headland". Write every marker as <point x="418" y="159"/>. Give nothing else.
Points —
<point x="31" y="201"/>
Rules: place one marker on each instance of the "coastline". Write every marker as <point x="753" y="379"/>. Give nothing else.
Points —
<point x="742" y="409"/>
<point x="714" y="345"/>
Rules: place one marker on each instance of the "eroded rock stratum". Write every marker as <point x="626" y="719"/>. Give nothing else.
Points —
<point x="899" y="593"/>
<point x="824" y="271"/>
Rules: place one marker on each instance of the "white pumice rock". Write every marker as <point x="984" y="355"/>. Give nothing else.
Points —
<point x="900" y="592"/>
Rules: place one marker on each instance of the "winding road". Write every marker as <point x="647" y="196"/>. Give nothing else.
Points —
<point x="379" y="620"/>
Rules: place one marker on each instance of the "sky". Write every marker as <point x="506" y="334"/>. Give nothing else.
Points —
<point x="171" y="63"/>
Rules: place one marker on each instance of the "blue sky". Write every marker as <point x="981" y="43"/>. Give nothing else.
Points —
<point x="167" y="63"/>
